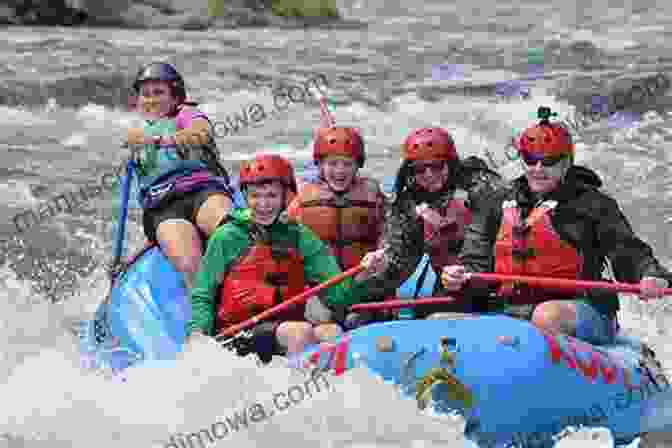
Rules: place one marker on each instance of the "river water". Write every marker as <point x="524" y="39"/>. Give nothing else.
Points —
<point x="63" y="120"/>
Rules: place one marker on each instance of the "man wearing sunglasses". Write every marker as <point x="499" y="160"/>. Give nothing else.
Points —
<point x="425" y="222"/>
<point x="554" y="221"/>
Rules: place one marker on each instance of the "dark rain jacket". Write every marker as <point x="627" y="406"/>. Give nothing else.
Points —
<point x="403" y="237"/>
<point x="585" y="217"/>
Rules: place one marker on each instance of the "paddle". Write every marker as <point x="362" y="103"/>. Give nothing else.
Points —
<point x="326" y="118"/>
<point x="234" y="329"/>
<point x="396" y="304"/>
<point x="121" y="230"/>
<point x="543" y="282"/>
<point x="113" y="268"/>
<point x="562" y="283"/>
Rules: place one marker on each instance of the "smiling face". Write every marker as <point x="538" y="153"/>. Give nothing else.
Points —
<point x="545" y="175"/>
<point x="266" y="201"/>
<point x="156" y="99"/>
<point x="339" y="172"/>
<point x="431" y="176"/>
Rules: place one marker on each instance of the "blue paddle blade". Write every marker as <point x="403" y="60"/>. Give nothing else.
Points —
<point x="388" y="185"/>
<point x="238" y="197"/>
<point x="410" y="289"/>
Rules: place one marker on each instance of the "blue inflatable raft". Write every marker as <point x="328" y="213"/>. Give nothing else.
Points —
<point x="143" y="318"/>
<point x="512" y="382"/>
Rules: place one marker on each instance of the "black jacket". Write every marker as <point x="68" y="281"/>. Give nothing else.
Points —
<point x="585" y="217"/>
<point x="403" y="237"/>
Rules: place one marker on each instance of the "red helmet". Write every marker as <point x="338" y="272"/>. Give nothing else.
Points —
<point x="429" y="144"/>
<point x="267" y="167"/>
<point x="545" y="138"/>
<point x="339" y="141"/>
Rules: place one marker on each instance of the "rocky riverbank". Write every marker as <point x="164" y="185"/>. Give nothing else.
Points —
<point x="180" y="14"/>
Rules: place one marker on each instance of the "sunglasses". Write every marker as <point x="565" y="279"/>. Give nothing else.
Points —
<point x="532" y="159"/>
<point x="434" y="167"/>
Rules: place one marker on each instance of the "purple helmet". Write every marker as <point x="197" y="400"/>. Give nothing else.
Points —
<point x="161" y="71"/>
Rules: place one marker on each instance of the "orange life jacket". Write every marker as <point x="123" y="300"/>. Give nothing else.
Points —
<point x="261" y="279"/>
<point x="533" y="248"/>
<point x="350" y="223"/>
<point x="443" y="242"/>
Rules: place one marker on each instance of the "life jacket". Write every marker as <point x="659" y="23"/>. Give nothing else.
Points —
<point x="533" y="248"/>
<point x="157" y="163"/>
<point x="349" y="223"/>
<point x="166" y="175"/>
<point x="444" y="241"/>
<point x="263" y="277"/>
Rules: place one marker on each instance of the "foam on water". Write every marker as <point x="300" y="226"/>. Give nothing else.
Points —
<point x="54" y="402"/>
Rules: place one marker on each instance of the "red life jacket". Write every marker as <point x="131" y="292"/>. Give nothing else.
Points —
<point x="350" y="224"/>
<point x="533" y="248"/>
<point x="443" y="242"/>
<point x="262" y="278"/>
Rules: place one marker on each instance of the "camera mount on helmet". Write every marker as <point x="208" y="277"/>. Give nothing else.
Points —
<point x="544" y="113"/>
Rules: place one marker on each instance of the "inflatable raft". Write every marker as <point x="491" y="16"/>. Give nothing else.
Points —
<point x="512" y="382"/>
<point x="540" y="384"/>
<point x="142" y="319"/>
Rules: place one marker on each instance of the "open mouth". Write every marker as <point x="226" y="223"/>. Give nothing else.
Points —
<point x="264" y="215"/>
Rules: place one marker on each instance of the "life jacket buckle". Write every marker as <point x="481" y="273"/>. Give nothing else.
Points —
<point x="340" y="201"/>
<point x="280" y="253"/>
<point x="277" y="279"/>
<point x="520" y="231"/>
<point x="450" y="228"/>
<point x="523" y="254"/>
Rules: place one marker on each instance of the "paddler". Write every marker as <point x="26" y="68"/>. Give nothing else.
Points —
<point x="259" y="258"/>
<point x="184" y="191"/>
<point x="344" y="209"/>
<point x="435" y="191"/>
<point x="554" y="221"/>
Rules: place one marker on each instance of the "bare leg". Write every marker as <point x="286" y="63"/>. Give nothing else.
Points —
<point x="327" y="332"/>
<point x="181" y="243"/>
<point x="212" y="212"/>
<point x="295" y="336"/>
<point x="556" y="316"/>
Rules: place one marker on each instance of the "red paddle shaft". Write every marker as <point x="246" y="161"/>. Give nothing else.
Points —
<point x="544" y="282"/>
<point x="327" y="120"/>
<point x="396" y="304"/>
<point x="562" y="283"/>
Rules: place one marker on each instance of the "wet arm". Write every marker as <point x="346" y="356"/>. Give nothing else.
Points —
<point x="403" y="241"/>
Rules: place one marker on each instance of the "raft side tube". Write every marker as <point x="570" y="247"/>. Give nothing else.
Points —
<point x="522" y="382"/>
